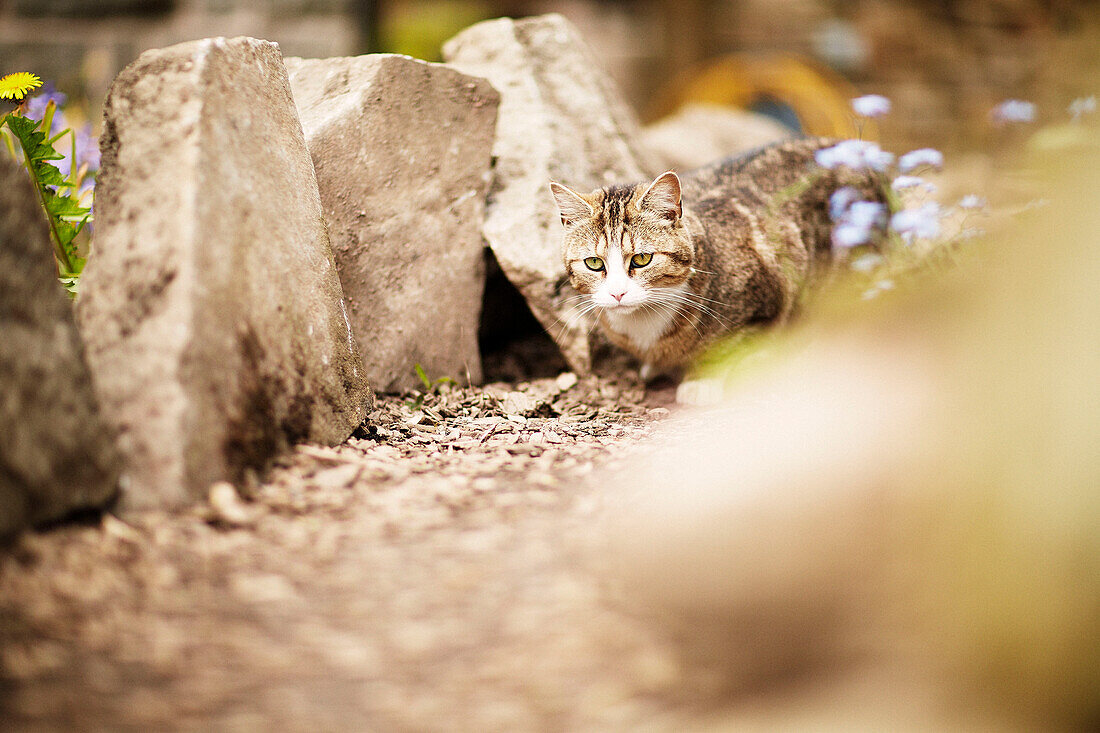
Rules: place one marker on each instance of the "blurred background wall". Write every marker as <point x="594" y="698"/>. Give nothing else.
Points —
<point x="944" y="63"/>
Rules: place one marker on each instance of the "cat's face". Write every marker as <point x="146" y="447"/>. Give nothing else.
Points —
<point x="626" y="248"/>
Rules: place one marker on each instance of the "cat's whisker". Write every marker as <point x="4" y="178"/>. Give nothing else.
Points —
<point x="691" y="319"/>
<point x="698" y="306"/>
<point x="699" y="297"/>
<point x="655" y="308"/>
<point x="693" y="297"/>
<point x="579" y="318"/>
<point x="704" y="312"/>
<point x="683" y="300"/>
<point x="694" y="322"/>
<point x="586" y="308"/>
<point x="685" y="308"/>
<point x="574" y="299"/>
<point x="592" y="327"/>
<point x="576" y="317"/>
<point x="688" y="294"/>
<point x="673" y="309"/>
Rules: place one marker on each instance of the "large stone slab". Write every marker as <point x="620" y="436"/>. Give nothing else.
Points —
<point x="698" y="134"/>
<point x="402" y="150"/>
<point x="56" y="455"/>
<point x="560" y="119"/>
<point x="211" y="305"/>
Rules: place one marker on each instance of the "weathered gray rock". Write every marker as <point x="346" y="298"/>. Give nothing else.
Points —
<point x="702" y="133"/>
<point x="402" y="150"/>
<point x="55" y="453"/>
<point x="560" y="119"/>
<point x="211" y="306"/>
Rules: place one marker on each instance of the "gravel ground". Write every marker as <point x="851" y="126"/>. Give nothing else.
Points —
<point x="426" y="575"/>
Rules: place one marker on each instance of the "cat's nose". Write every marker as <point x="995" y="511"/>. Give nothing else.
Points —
<point x="618" y="296"/>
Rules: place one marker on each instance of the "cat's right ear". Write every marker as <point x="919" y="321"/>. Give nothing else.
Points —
<point x="570" y="203"/>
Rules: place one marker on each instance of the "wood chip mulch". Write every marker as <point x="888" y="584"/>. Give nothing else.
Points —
<point x="417" y="577"/>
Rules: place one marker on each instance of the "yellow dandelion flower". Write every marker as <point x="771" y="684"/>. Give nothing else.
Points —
<point x="16" y="86"/>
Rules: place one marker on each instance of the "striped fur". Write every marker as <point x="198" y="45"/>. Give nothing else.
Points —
<point x="744" y="237"/>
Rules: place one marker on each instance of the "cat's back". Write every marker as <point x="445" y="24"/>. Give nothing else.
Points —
<point x="756" y="175"/>
<point x="776" y="191"/>
<point x="763" y="223"/>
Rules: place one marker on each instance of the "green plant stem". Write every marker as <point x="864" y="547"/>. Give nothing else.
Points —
<point x="7" y="135"/>
<point x="59" y="251"/>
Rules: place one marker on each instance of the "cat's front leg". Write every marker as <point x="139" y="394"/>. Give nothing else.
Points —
<point x="651" y="372"/>
<point x="700" y="392"/>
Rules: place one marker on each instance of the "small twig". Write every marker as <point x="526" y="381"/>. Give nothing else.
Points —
<point x="326" y="454"/>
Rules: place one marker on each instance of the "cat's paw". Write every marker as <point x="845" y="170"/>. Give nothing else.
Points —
<point x="700" y="392"/>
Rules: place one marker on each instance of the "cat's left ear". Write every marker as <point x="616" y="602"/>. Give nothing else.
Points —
<point x="663" y="196"/>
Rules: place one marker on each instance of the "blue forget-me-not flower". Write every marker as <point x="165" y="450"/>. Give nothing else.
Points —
<point x="917" y="158"/>
<point x="855" y="220"/>
<point x="871" y="105"/>
<point x="902" y="183"/>
<point x="971" y="202"/>
<point x="1013" y="110"/>
<point x="922" y="223"/>
<point x="1082" y="106"/>
<point x="855" y="154"/>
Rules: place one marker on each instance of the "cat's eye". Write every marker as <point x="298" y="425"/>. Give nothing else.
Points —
<point x="593" y="263"/>
<point x="641" y="259"/>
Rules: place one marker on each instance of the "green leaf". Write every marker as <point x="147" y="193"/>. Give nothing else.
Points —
<point x="78" y="267"/>
<point x="47" y="116"/>
<point x="33" y="141"/>
<point x="423" y="377"/>
<point x="8" y="143"/>
<point x="66" y="216"/>
<point x="83" y="223"/>
<point x="66" y="233"/>
<point x="20" y="125"/>
<point x="66" y="206"/>
<point x="46" y="174"/>
<point x="70" y="283"/>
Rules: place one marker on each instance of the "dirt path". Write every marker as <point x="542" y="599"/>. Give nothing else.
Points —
<point x="421" y="577"/>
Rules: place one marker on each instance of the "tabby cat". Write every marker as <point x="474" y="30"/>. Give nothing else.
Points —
<point x="671" y="265"/>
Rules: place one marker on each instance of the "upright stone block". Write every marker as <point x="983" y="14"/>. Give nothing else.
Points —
<point x="402" y="150"/>
<point x="561" y="119"/>
<point x="56" y="454"/>
<point x="698" y="134"/>
<point x="210" y="304"/>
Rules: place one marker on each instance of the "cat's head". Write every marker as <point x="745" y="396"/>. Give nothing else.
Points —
<point x="624" y="246"/>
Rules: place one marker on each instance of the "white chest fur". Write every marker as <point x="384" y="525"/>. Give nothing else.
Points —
<point x="643" y="326"/>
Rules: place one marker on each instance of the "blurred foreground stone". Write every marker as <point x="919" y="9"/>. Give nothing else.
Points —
<point x="702" y="133"/>
<point x="560" y="119"/>
<point x="402" y="153"/>
<point x="211" y="305"/>
<point x="897" y="526"/>
<point x="56" y="455"/>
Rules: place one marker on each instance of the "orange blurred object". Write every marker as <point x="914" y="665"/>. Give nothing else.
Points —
<point x="798" y="92"/>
